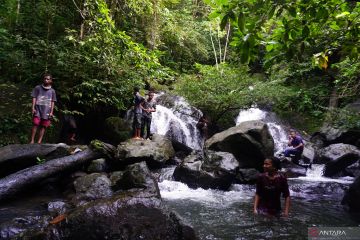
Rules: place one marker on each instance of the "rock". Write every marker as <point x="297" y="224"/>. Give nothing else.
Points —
<point x="11" y="229"/>
<point x="57" y="208"/>
<point x="215" y="170"/>
<point x="155" y="152"/>
<point x="136" y="176"/>
<point x="308" y="154"/>
<point x="292" y="170"/>
<point x="92" y="186"/>
<point x="246" y="176"/>
<point x="98" y="165"/>
<point x="116" y="130"/>
<point x="352" y="197"/>
<point x="250" y="142"/>
<point x="125" y="216"/>
<point x="337" y="157"/>
<point x="332" y="135"/>
<point x="19" y="156"/>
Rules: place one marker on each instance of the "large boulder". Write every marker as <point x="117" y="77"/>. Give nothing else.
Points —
<point x="250" y="142"/>
<point x="19" y="156"/>
<point x="293" y="170"/>
<point x="124" y="216"/>
<point x="332" y="135"/>
<point x="215" y="170"/>
<point x="247" y="176"/>
<point x="352" y="197"/>
<point x="337" y="157"/>
<point x="155" y="152"/>
<point x="92" y="186"/>
<point x="135" y="176"/>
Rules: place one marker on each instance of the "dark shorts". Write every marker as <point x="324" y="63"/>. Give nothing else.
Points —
<point x="137" y="120"/>
<point x="41" y="122"/>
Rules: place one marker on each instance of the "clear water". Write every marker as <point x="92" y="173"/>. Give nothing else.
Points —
<point x="217" y="214"/>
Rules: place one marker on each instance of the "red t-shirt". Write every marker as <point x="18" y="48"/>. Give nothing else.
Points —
<point x="269" y="191"/>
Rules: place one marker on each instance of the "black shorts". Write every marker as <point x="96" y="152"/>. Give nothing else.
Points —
<point x="137" y="120"/>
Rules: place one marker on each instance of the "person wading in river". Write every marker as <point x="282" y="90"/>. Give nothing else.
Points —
<point x="269" y="187"/>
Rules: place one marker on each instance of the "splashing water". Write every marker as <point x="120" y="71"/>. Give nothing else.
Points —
<point x="276" y="130"/>
<point x="178" y="123"/>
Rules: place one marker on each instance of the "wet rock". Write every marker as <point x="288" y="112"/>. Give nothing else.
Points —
<point x="308" y="154"/>
<point x="352" y="197"/>
<point x="136" y="176"/>
<point x="250" y="142"/>
<point x="337" y="157"/>
<point x="215" y="170"/>
<point x="292" y="170"/>
<point x="98" y="166"/>
<point x="15" y="228"/>
<point x="155" y="152"/>
<point x="92" y="186"/>
<point x="57" y="208"/>
<point x="246" y="176"/>
<point x="19" y="156"/>
<point x="125" y="216"/>
<point x="331" y="135"/>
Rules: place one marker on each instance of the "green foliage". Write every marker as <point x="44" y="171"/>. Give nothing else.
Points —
<point x="344" y="118"/>
<point x="40" y="160"/>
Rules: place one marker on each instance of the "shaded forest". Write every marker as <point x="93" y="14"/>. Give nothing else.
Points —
<point x="299" y="58"/>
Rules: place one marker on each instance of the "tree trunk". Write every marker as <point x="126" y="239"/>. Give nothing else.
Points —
<point x="15" y="183"/>
<point x="334" y="99"/>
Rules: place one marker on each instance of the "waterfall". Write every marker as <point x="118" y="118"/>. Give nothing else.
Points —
<point x="276" y="130"/>
<point x="178" y="122"/>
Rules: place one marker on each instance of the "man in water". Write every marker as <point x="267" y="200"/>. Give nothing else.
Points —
<point x="269" y="187"/>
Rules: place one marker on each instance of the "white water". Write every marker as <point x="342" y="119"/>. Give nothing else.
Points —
<point x="315" y="174"/>
<point x="277" y="132"/>
<point x="178" y="123"/>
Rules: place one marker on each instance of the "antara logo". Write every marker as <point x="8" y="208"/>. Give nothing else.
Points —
<point x="333" y="233"/>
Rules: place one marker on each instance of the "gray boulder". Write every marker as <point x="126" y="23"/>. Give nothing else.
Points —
<point x="215" y="170"/>
<point x="135" y="176"/>
<point x="337" y="157"/>
<point x="246" y="176"/>
<point x="352" y="197"/>
<point x="92" y="186"/>
<point x="292" y="170"/>
<point x="98" y="166"/>
<point x="124" y="216"/>
<point x="155" y="152"/>
<point x="250" y="142"/>
<point x="19" y="156"/>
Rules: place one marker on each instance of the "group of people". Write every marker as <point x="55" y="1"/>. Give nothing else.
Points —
<point x="143" y="109"/>
<point x="269" y="187"/>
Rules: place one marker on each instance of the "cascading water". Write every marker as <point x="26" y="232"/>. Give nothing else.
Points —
<point x="278" y="133"/>
<point x="178" y="122"/>
<point x="217" y="214"/>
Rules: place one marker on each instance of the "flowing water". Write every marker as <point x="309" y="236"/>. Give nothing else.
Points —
<point x="215" y="214"/>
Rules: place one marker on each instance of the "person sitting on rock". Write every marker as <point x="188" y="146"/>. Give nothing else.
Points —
<point x="296" y="147"/>
<point x="269" y="187"/>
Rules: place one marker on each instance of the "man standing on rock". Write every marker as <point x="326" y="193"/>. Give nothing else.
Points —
<point x="138" y="110"/>
<point x="296" y="146"/>
<point x="148" y="106"/>
<point x="43" y="102"/>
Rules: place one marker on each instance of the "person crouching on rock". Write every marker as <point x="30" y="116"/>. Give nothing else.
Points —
<point x="269" y="187"/>
<point x="296" y="146"/>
